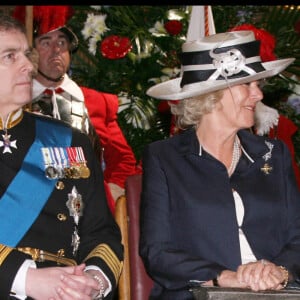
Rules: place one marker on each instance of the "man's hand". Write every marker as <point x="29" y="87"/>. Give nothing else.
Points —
<point x="42" y="283"/>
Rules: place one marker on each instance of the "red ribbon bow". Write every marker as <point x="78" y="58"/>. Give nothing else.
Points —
<point x="58" y="90"/>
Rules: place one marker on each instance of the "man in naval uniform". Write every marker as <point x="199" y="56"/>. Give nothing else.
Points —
<point x="56" y="94"/>
<point x="58" y="238"/>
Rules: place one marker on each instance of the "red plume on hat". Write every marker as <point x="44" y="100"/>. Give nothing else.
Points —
<point x="267" y="41"/>
<point x="49" y="18"/>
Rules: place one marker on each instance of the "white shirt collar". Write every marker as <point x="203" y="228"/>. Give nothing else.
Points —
<point x="68" y="85"/>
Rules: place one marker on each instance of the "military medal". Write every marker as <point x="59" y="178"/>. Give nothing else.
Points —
<point x="75" y="172"/>
<point x="68" y="172"/>
<point x="55" y="162"/>
<point x="7" y="143"/>
<point x="59" y="158"/>
<point x="78" y="168"/>
<point x="84" y="170"/>
<point x="74" y="165"/>
<point x="50" y="170"/>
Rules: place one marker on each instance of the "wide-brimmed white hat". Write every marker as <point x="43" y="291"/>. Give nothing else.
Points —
<point x="215" y="62"/>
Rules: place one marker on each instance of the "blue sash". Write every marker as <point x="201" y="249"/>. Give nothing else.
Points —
<point x="30" y="189"/>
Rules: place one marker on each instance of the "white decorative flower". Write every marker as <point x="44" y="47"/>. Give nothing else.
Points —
<point x="93" y="45"/>
<point x="158" y="29"/>
<point x="93" y="30"/>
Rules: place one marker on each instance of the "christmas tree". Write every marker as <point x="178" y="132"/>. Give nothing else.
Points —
<point x="126" y="49"/>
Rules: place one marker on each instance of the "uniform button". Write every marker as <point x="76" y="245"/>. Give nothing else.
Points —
<point x="61" y="217"/>
<point x="59" y="185"/>
<point x="61" y="252"/>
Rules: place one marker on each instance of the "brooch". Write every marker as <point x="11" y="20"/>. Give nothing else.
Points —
<point x="266" y="167"/>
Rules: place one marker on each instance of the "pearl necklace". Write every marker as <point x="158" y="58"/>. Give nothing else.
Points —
<point x="236" y="154"/>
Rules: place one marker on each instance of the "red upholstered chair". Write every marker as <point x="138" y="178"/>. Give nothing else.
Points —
<point x="141" y="283"/>
<point x="134" y="282"/>
<point x="128" y="216"/>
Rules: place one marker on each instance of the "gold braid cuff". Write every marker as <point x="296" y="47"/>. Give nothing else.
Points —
<point x="4" y="252"/>
<point x="104" y="252"/>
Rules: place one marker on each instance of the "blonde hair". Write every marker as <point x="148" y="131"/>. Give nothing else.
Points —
<point x="188" y="112"/>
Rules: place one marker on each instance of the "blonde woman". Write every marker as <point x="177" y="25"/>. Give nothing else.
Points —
<point x="220" y="205"/>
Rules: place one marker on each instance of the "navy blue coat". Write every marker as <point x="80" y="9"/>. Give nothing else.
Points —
<point x="49" y="232"/>
<point x="189" y="229"/>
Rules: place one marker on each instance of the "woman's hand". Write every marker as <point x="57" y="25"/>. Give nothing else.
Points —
<point x="257" y="276"/>
<point x="229" y="278"/>
<point x="261" y="275"/>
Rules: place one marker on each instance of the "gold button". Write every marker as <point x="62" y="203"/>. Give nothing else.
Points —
<point x="59" y="185"/>
<point x="61" y="217"/>
<point x="61" y="252"/>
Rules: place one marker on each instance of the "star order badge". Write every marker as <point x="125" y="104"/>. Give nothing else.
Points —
<point x="7" y="143"/>
<point x="75" y="241"/>
<point x="75" y="205"/>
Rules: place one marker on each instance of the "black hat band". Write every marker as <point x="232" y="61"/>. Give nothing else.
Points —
<point x="221" y="63"/>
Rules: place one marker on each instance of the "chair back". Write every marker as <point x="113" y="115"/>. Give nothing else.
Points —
<point x="122" y="220"/>
<point x="134" y="283"/>
<point x="140" y="282"/>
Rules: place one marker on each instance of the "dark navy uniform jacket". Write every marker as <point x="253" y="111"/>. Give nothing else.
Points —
<point x="189" y="229"/>
<point x="53" y="228"/>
